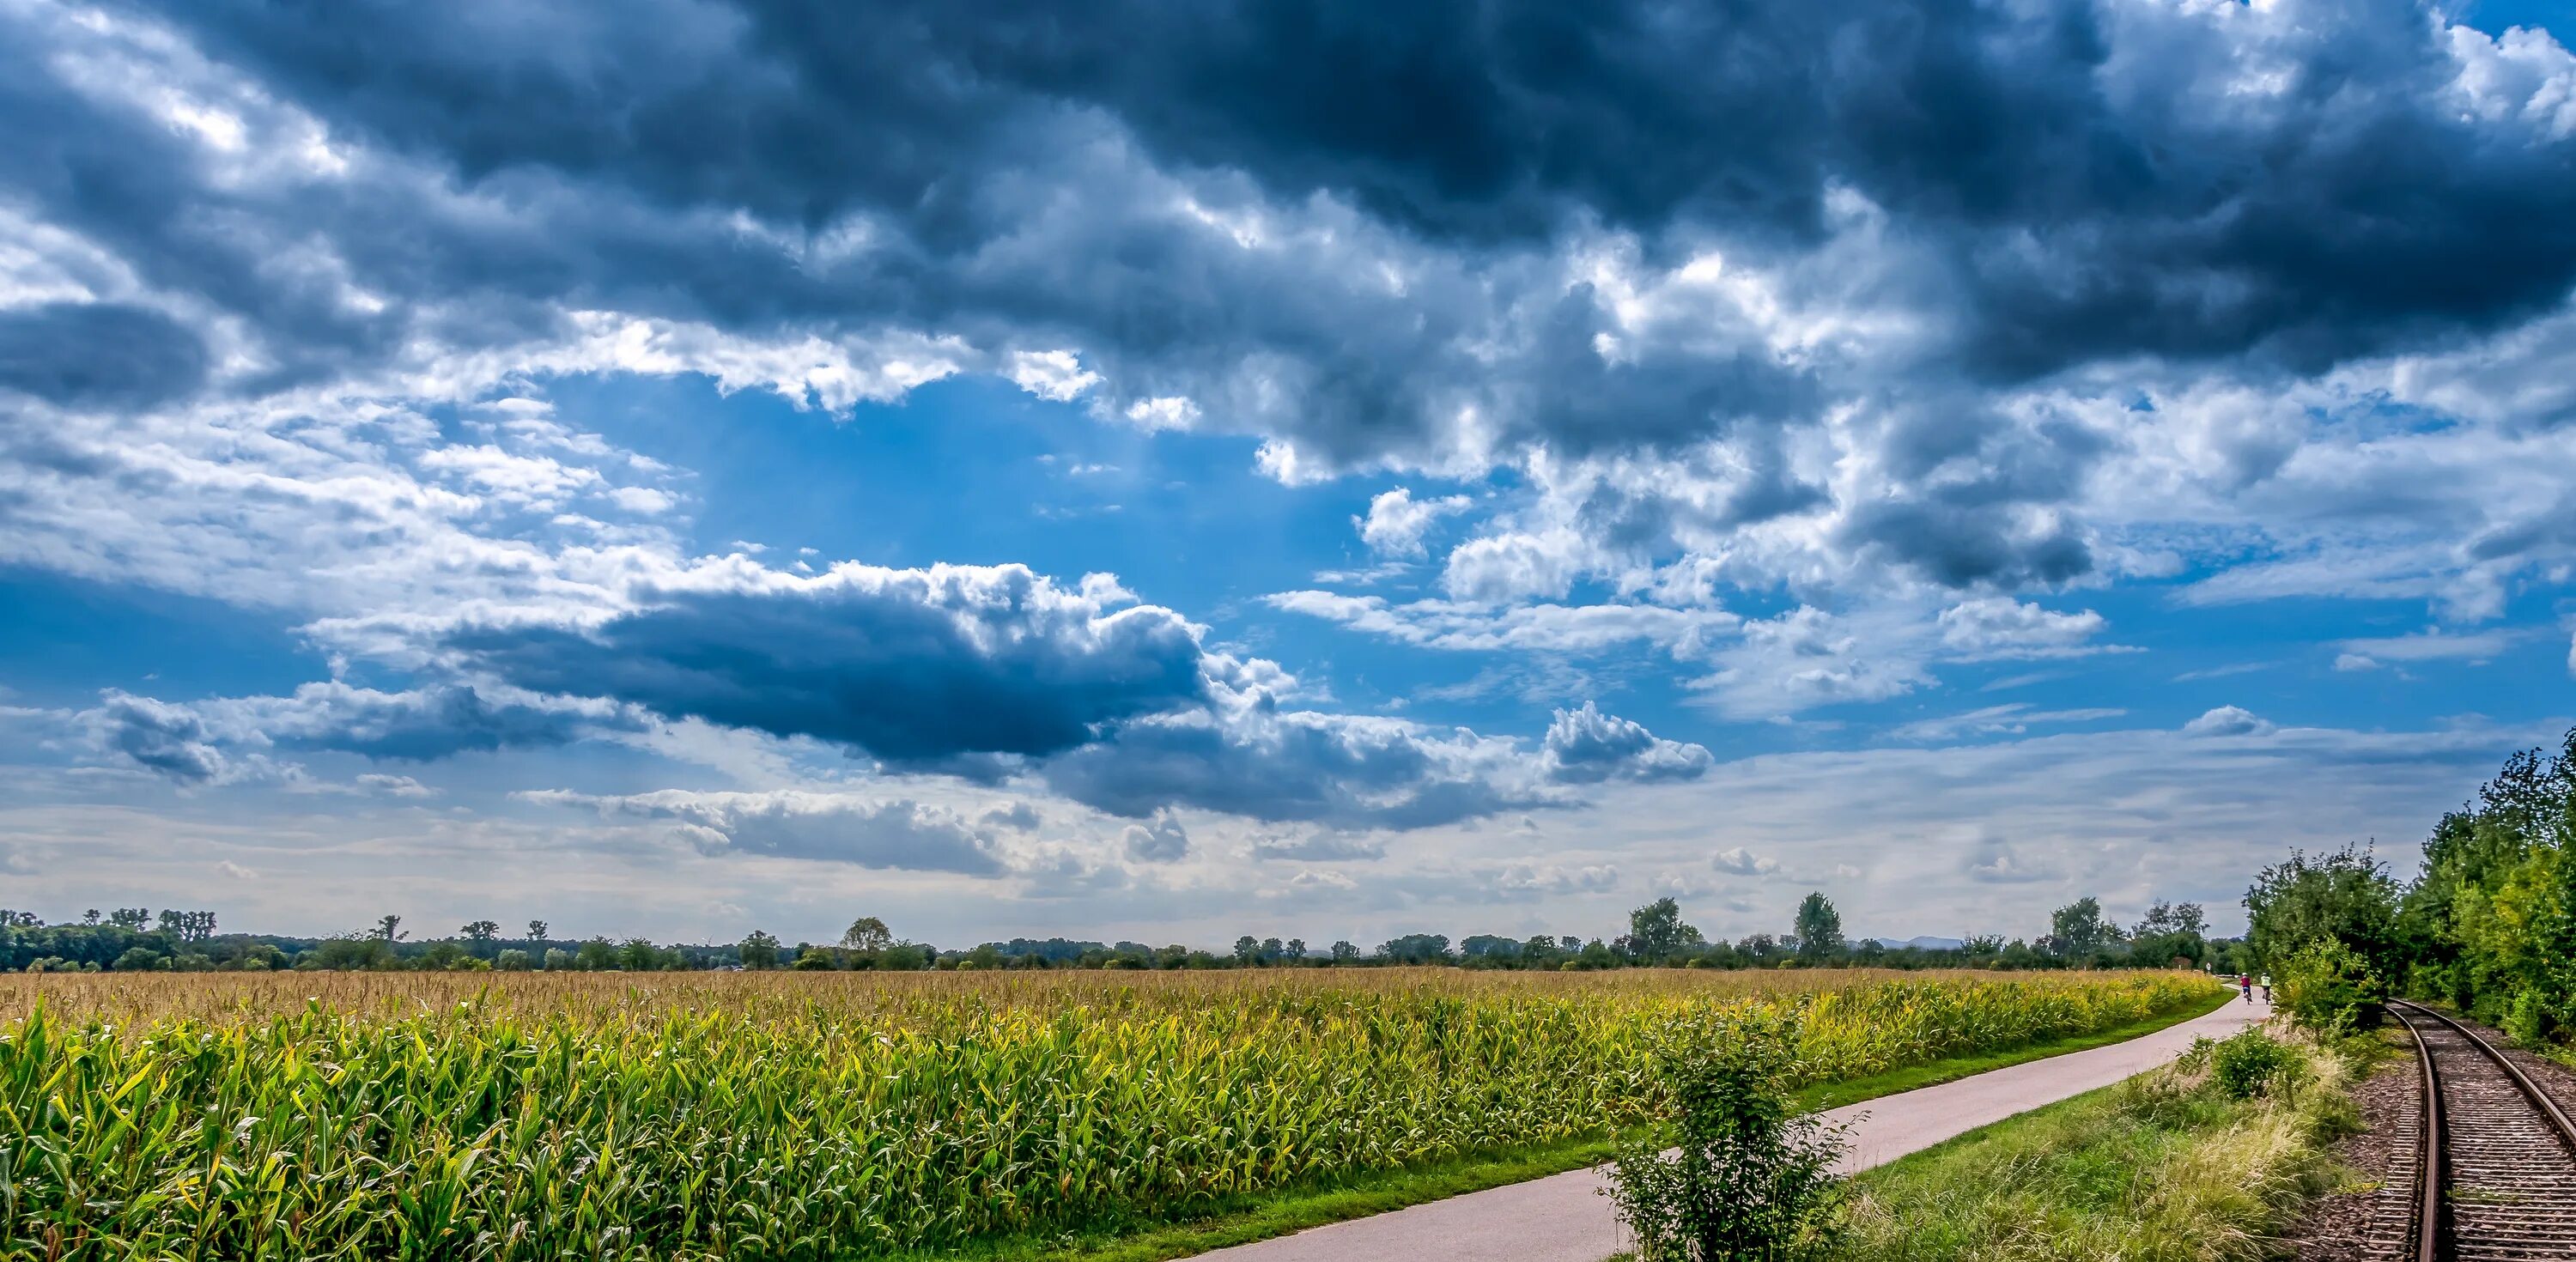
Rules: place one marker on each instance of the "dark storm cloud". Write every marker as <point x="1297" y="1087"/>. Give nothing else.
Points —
<point x="98" y="354"/>
<point x="2096" y="188"/>
<point x="1346" y="772"/>
<point x="914" y="666"/>
<point x="2081" y="181"/>
<point x="189" y="741"/>
<point x="424" y="725"/>
<point x="159" y="737"/>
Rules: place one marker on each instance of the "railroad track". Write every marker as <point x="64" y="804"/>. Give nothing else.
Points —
<point x="2496" y="1155"/>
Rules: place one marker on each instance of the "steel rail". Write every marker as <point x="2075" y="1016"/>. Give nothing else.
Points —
<point x="2430" y="1240"/>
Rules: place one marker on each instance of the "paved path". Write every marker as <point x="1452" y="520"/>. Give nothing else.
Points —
<point x="1563" y="1218"/>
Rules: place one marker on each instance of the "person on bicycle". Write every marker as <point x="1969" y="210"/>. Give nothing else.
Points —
<point x="2245" y="985"/>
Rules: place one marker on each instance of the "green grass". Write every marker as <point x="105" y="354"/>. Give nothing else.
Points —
<point x="1247" y="1219"/>
<point x="2162" y="1168"/>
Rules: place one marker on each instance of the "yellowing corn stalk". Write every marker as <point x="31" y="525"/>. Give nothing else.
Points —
<point x="796" y="1116"/>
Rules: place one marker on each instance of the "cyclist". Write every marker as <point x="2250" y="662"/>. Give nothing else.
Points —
<point x="2245" y="985"/>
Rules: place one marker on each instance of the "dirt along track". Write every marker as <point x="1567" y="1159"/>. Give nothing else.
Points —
<point x="1563" y="1218"/>
<point x="2502" y="1183"/>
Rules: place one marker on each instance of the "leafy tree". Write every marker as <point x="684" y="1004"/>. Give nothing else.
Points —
<point x="759" y="949"/>
<point x="481" y="932"/>
<point x="2347" y="896"/>
<point x="1344" y="952"/>
<point x="1820" y="928"/>
<point x="536" y="931"/>
<point x="512" y="961"/>
<point x="1296" y="950"/>
<point x="2078" y="930"/>
<point x="90" y="917"/>
<point x="388" y="928"/>
<point x="596" y="955"/>
<point x="867" y="933"/>
<point x="1656" y="932"/>
<point x="560" y="960"/>
<point x="136" y="960"/>
<point x="134" y="918"/>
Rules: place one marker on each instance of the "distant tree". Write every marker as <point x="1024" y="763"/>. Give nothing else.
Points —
<point x="536" y="931"/>
<point x="481" y="932"/>
<point x="137" y="919"/>
<point x="1296" y="950"/>
<point x="1344" y="952"/>
<point x="90" y="917"/>
<point x="513" y="960"/>
<point x="136" y="959"/>
<point x="1820" y="927"/>
<point x="560" y="960"/>
<point x="2170" y="932"/>
<point x="2078" y="930"/>
<point x="170" y="921"/>
<point x="596" y="954"/>
<point x="759" y="950"/>
<point x="1656" y="932"/>
<point x="389" y="928"/>
<point x="867" y="933"/>
<point x="639" y="955"/>
<point x="1416" y="948"/>
<point x="1247" y="950"/>
<point x="2172" y="918"/>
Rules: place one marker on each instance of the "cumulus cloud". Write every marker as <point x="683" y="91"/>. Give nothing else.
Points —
<point x="1585" y="746"/>
<point x="909" y="665"/>
<point x="801" y="824"/>
<point x="222" y="738"/>
<point x="1396" y="521"/>
<point x="2228" y="720"/>
<point x="1157" y="840"/>
<point x="1531" y="880"/>
<point x="1738" y="861"/>
<point x="1998" y="627"/>
<point x="1344" y="771"/>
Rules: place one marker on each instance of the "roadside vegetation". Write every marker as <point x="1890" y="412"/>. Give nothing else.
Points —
<point x="2206" y="1159"/>
<point x="775" y="1116"/>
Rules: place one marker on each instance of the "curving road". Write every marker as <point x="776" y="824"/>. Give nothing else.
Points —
<point x="1563" y="1218"/>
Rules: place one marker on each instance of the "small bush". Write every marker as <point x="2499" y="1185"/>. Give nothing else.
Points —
<point x="1748" y="1178"/>
<point x="2251" y="1064"/>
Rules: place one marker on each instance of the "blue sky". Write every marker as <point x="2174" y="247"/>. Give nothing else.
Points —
<point x="1328" y="472"/>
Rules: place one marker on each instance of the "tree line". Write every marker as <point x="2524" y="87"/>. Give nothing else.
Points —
<point x="2488" y="925"/>
<point x="131" y="940"/>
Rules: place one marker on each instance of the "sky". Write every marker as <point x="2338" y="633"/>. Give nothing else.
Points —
<point x="1134" y="471"/>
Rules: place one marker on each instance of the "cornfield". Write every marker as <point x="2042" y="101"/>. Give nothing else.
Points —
<point x="802" y="1116"/>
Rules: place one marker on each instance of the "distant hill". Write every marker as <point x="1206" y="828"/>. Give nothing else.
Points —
<point x="1922" y="944"/>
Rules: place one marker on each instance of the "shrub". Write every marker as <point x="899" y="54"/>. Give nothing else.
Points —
<point x="512" y="961"/>
<point x="136" y="960"/>
<point x="2251" y="1064"/>
<point x="2326" y="987"/>
<point x="1749" y="1178"/>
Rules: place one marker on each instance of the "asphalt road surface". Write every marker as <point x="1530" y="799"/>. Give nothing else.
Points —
<point x="1563" y="1218"/>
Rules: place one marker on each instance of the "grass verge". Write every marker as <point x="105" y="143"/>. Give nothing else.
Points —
<point x="1295" y="1209"/>
<point x="2165" y="1167"/>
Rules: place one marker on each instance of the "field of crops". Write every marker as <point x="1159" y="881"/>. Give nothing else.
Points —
<point x="842" y="1114"/>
